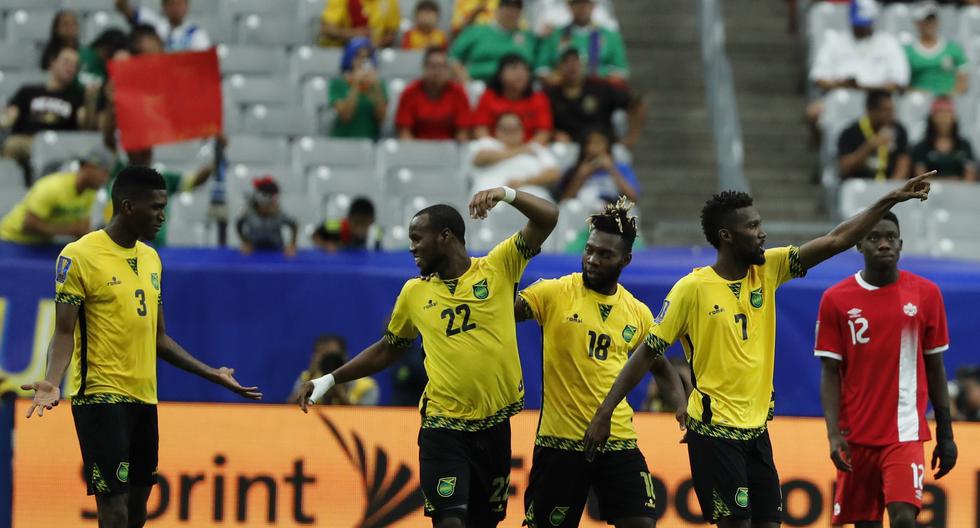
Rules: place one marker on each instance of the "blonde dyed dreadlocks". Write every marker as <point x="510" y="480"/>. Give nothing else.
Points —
<point x="615" y="220"/>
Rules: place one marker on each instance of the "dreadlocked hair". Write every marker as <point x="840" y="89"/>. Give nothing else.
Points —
<point x="615" y="220"/>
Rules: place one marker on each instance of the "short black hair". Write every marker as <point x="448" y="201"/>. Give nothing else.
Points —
<point x="496" y="84"/>
<point x="875" y="99"/>
<point x="323" y="339"/>
<point x="891" y="217"/>
<point x="433" y="50"/>
<point x="615" y="220"/>
<point x="426" y="5"/>
<point x="112" y="39"/>
<point x="570" y="51"/>
<point x="716" y="211"/>
<point x="362" y="207"/>
<point x="442" y="216"/>
<point x="142" y="31"/>
<point x="135" y="182"/>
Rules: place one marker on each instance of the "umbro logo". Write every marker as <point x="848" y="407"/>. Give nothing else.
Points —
<point x="429" y="304"/>
<point x="854" y="313"/>
<point x="574" y="318"/>
<point x="114" y="282"/>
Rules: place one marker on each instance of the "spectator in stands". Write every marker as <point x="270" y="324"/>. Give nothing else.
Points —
<point x="58" y="104"/>
<point x="329" y="353"/>
<point x="60" y="204"/>
<point x="874" y="147"/>
<point x="937" y="65"/>
<point x="943" y="149"/>
<point x="144" y="40"/>
<point x="92" y="59"/>
<point x="510" y="91"/>
<point x="478" y="50"/>
<point x="862" y="59"/>
<point x="343" y="21"/>
<point x="506" y="159"/>
<point x="601" y="48"/>
<point x="597" y="179"/>
<point x="357" y="231"/>
<point x="580" y="104"/>
<point x="260" y="227"/>
<point x="434" y="106"/>
<point x="358" y="96"/>
<point x="557" y="14"/>
<point x="172" y="26"/>
<point x="64" y="34"/>
<point x="471" y="12"/>
<point x="425" y="32"/>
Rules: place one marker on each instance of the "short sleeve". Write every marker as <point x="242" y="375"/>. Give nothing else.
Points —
<point x="404" y="117"/>
<point x="849" y="141"/>
<point x="542" y="112"/>
<point x="828" y="342"/>
<point x="483" y="115"/>
<point x="462" y="112"/>
<point x="936" y="337"/>
<point x="69" y="283"/>
<point x="671" y="323"/>
<point x="401" y="330"/>
<point x="646" y="320"/>
<point x="959" y="57"/>
<point x="538" y="297"/>
<point x="619" y="98"/>
<point x="461" y="45"/>
<point x="783" y="264"/>
<point x="511" y="256"/>
<point x="548" y="52"/>
<point x="617" y="54"/>
<point x="337" y="90"/>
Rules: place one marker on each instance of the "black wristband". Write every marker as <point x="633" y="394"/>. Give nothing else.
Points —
<point x="944" y="424"/>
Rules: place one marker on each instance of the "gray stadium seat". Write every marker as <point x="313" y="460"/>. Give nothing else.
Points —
<point x="11" y="175"/>
<point x="823" y="17"/>
<point x="98" y="22"/>
<point x="218" y="29"/>
<point x="309" y="13"/>
<point x="395" y="89"/>
<point x="842" y="106"/>
<point x="566" y="153"/>
<point x="257" y="150"/>
<point x="282" y="29"/>
<point x="11" y="81"/>
<point x="969" y="24"/>
<point x="949" y="26"/>
<point x="187" y="155"/>
<point x="315" y="102"/>
<point x="30" y="5"/>
<point x="952" y="233"/>
<point x="28" y="26"/>
<point x="188" y="223"/>
<point x="53" y="148"/>
<point x="337" y="166"/>
<point x="897" y="19"/>
<point x="474" y="90"/>
<point x="405" y="64"/>
<point x="240" y="176"/>
<point x="11" y="196"/>
<point x="277" y="121"/>
<point x="251" y="60"/>
<point x="234" y="9"/>
<point x="913" y="112"/>
<point x="86" y="7"/>
<point x="244" y="91"/>
<point x="18" y="58"/>
<point x="856" y="195"/>
<point x="307" y="62"/>
<point x="419" y="171"/>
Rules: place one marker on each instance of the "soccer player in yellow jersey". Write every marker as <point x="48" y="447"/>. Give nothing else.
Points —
<point x="591" y="324"/>
<point x="725" y="317"/>
<point x="464" y="309"/>
<point x="109" y="328"/>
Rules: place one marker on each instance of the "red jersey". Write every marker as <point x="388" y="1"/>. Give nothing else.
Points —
<point x="535" y="112"/>
<point x="881" y="336"/>
<point x="429" y="118"/>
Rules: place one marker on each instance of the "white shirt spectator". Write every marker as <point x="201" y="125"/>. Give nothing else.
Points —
<point x="556" y="15"/>
<point x="873" y="62"/>
<point x="185" y="37"/>
<point x="522" y="167"/>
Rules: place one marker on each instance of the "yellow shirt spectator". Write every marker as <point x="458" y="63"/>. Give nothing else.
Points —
<point x="463" y="9"/>
<point x="57" y="200"/>
<point x="378" y="19"/>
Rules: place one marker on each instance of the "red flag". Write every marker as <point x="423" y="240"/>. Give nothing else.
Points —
<point x="167" y="97"/>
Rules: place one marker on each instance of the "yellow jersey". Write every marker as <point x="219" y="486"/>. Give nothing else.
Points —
<point x="587" y="338"/>
<point x="462" y="10"/>
<point x="728" y="331"/>
<point x="53" y="198"/>
<point x="383" y="16"/>
<point x="117" y="291"/>
<point x="470" y="338"/>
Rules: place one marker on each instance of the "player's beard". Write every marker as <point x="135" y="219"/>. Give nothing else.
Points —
<point x="600" y="283"/>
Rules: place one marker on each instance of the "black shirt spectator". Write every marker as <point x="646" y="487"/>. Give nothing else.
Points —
<point x="943" y="149"/>
<point x="42" y="108"/>
<point x="876" y="146"/>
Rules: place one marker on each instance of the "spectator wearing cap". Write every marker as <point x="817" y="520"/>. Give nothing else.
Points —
<point x="356" y="231"/>
<point x="261" y="226"/>
<point x="358" y="95"/>
<point x="434" y="106"/>
<point x="937" y="65"/>
<point x="876" y="146"/>
<point x="425" y="32"/>
<point x="478" y="50"/>
<point x="467" y="13"/>
<point x="176" y="32"/>
<point x="60" y="204"/>
<point x="862" y="59"/>
<point x="64" y="33"/>
<point x="600" y="48"/>
<point x="510" y="91"/>
<point x="580" y="103"/>
<point x="344" y="20"/>
<point x="943" y="149"/>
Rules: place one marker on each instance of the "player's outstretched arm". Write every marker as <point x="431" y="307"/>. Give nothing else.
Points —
<point x="171" y="352"/>
<point x="47" y="392"/>
<point x="541" y="214"/>
<point x="371" y="360"/>
<point x="636" y="367"/>
<point x="669" y="381"/>
<point x="840" y="451"/>
<point x="850" y="231"/>
<point x="945" y="453"/>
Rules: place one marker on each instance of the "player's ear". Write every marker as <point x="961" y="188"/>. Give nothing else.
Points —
<point x="725" y="235"/>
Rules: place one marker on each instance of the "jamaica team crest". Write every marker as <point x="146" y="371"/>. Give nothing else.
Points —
<point x="756" y="298"/>
<point x="481" y="290"/>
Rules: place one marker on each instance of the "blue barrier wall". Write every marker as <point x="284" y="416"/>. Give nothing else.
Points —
<point x="260" y="314"/>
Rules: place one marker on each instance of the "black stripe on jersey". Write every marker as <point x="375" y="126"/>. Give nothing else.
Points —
<point x="425" y="403"/>
<point x="705" y="408"/>
<point x="690" y="346"/>
<point x="537" y="431"/>
<point x="83" y="352"/>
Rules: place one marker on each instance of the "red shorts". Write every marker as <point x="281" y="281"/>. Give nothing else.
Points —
<point x="880" y="475"/>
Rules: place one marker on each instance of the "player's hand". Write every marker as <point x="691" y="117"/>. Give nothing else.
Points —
<point x="917" y="187"/>
<point x="596" y="435"/>
<point x="304" y="399"/>
<point x="945" y="454"/>
<point x="46" y="396"/>
<point x="681" y="416"/>
<point x="484" y="201"/>
<point x="225" y="377"/>
<point x="840" y="453"/>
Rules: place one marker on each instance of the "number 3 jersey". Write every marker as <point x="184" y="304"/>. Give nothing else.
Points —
<point x="587" y="338"/>
<point x="117" y="291"/>
<point x="880" y="335"/>
<point x="470" y="339"/>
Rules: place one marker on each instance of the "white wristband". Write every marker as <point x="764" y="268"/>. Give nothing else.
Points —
<point x="509" y="195"/>
<point x="320" y="387"/>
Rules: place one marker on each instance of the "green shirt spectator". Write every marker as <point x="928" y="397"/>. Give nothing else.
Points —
<point x="935" y="70"/>
<point x="479" y="48"/>
<point x="601" y="49"/>
<point x="364" y="121"/>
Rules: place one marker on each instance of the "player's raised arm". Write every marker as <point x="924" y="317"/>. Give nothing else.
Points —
<point x="850" y="231"/>
<point x="541" y="214"/>
<point x="47" y="392"/>
<point x="171" y="352"/>
<point x="371" y="360"/>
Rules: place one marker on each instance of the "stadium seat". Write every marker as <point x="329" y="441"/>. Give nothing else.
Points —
<point x="50" y="149"/>
<point x="315" y="102"/>
<point x="18" y="58"/>
<point x="87" y="7"/>
<point x="333" y="167"/>
<point x="405" y="64"/>
<point x="969" y="24"/>
<point x="949" y="26"/>
<point x="98" y="22"/>
<point x="913" y="113"/>
<point x="218" y="29"/>
<point x="187" y="220"/>
<point x="257" y="150"/>
<point x="474" y="90"/>
<point x="187" y="155"/>
<point x="823" y="17"/>
<point x="11" y="175"/>
<point x="566" y="153"/>
<point x="7" y="6"/>
<point x="952" y="232"/>
<point x="841" y="106"/>
<point x="234" y="9"/>
<point x="28" y="27"/>
<point x="240" y="176"/>
<point x="309" y="13"/>
<point x="395" y="89"/>
<point x="282" y="29"/>
<point x="277" y="121"/>
<point x="11" y="81"/>
<point x="856" y="195"/>
<point x="11" y="196"/>
<point x="414" y="169"/>
<point x="244" y="91"/>
<point x="251" y="60"/>
<point x="897" y="19"/>
<point x="307" y="62"/>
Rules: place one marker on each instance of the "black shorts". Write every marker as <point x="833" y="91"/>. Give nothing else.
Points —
<point x="466" y="474"/>
<point x="119" y="444"/>
<point x="560" y="481"/>
<point x="735" y="478"/>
